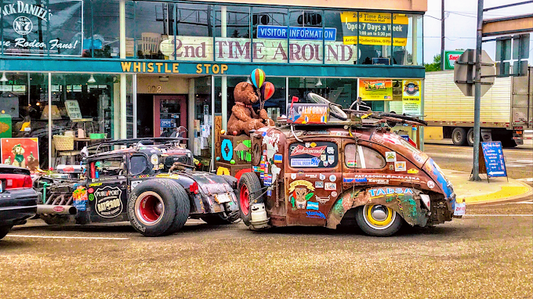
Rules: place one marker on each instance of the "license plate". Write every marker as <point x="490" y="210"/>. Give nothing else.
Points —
<point x="460" y="209"/>
<point x="222" y="198"/>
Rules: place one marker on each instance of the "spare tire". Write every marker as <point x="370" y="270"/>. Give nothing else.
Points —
<point x="152" y="207"/>
<point x="248" y="193"/>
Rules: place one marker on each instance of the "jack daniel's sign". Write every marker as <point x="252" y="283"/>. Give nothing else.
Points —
<point x="33" y="28"/>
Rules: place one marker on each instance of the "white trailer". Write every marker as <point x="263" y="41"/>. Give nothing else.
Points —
<point x="506" y="109"/>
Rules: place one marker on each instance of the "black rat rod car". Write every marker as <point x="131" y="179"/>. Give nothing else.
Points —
<point x="150" y="182"/>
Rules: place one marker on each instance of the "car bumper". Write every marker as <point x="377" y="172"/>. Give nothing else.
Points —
<point x="17" y="205"/>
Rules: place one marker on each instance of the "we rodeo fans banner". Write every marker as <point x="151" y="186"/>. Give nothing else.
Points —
<point x="34" y="27"/>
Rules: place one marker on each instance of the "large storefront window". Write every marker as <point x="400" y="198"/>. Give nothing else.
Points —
<point x="232" y="32"/>
<point x="306" y="36"/>
<point x="342" y="91"/>
<point x="154" y="23"/>
<point x="80" y="107"/>
<point x="185" y="31"/>
<point x="269" y="27"/>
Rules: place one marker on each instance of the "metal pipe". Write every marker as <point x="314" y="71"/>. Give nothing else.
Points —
<point x="56" y="210"/>
<point x="49" y="120"/>
<point x="477" y="98"/>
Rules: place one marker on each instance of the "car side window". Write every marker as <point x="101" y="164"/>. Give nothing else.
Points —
<point x="363" y="158"/>
<point x="108" y="167"/>
<point x="138" y="165"/>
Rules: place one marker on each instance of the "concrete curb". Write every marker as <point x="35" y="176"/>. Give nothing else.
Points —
<point x="506" y="194"/>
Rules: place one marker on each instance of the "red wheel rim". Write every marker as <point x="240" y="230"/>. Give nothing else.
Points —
<point x="149" y="208"/>
<point x="244" y="198"/>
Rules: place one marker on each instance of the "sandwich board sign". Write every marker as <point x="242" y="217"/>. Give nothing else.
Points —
<point x="494" y="161"/>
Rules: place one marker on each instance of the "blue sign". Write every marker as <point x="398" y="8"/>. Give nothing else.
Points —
<point x="167" y="123"/>
<point x="304" y="33"/>
<point x="494" y="161"/>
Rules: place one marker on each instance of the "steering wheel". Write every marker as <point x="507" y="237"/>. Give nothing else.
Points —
<point x="335" y="109"/>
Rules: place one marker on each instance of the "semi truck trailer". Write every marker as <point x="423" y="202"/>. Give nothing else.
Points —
<point x="506" y="109"/>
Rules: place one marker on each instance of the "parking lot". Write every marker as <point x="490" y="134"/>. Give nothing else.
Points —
<point x="486" y="254"/>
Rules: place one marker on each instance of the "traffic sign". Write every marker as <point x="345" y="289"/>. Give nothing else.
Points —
<point x="465" y="72"/>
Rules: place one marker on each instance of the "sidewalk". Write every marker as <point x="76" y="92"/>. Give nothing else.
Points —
<point x="498" y="190"/>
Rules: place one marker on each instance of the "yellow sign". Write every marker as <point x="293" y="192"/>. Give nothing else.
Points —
<point x="375" y="90"/>
<point x="411" y="98"/>
<point x="374" y="28"/>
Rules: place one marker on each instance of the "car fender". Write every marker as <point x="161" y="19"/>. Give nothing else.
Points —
<point x="405" y="201"/>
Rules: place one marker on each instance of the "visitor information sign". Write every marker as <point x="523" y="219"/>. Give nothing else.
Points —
<point x="494" y="161"/>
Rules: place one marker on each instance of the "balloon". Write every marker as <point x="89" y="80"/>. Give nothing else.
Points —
<point x="257" y="77"/>
<point x="267" y="90"/>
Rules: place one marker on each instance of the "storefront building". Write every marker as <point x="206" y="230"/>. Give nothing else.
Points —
<point x="130" y="69"/>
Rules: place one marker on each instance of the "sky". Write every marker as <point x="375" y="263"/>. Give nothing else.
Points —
<point x="460" y="21"/>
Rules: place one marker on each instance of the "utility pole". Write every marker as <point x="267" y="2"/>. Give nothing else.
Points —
<point x="442" y="29"/>
<point x="477" y="95"/>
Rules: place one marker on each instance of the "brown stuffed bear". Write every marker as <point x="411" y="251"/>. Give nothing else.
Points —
<point x="243" y="117"/>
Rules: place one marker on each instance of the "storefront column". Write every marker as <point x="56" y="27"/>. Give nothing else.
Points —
<point x="123" y="86"/>
<point x="415" y="40"/>
<point x="191" y="114"/>
<point x="224" y="81"/>
<point x="421" y="128"/>
<point x="134" y="101"/>
<point x="49" y="119"/>
<point x="213" y="144"/>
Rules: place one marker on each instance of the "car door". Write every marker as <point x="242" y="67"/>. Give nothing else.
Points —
<point x="107" y="189"/>
<point x="313" y="181"/>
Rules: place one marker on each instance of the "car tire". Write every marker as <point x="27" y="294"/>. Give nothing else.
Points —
<point x="183" y="207"/>
<point x="459" y="136"/>
<point x="52" y="219"/>
<point x="470" y="137"/>
<point x="4" y="230"/>
<point x="248" y="192"/>
<point x="378" y="220"/>
<point x="152" y="207"/>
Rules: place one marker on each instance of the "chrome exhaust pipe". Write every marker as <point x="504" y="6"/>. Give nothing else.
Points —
<point x="56" y="210"/>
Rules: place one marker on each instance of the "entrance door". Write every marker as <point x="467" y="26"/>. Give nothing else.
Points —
<point x="170" y="112"/>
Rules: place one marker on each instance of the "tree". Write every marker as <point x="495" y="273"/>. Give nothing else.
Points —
<point x="435" y="66"/>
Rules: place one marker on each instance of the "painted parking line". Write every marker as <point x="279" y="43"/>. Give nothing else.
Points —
<point x="496" y="215"/>
<point x="61" y="237"/>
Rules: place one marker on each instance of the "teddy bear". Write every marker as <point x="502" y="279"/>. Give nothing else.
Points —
<point x="243" y="118"/>
<point x="19" y="160"/>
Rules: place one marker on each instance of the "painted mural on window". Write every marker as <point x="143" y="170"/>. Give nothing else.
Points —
<point x="33" y="27"/>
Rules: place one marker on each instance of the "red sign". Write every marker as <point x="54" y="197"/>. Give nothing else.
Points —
<point x="313" y="151"/>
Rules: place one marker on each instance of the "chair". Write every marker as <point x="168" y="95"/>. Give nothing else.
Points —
<point x="64" y="148"/>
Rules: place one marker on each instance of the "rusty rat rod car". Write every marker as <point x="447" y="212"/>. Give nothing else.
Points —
<point x="322" y="170"/>
<point x="149" y="182"/>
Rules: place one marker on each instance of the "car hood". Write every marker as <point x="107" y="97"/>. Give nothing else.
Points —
<point x="434" y="171"/>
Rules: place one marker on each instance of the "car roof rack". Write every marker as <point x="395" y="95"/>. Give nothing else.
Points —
<point x="133" y="141"/>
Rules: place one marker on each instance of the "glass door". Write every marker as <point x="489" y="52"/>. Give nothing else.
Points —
<point x="170" y="113"/>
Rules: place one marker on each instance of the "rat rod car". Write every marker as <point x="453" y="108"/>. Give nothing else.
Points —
<point x="150" y="182"/>
<point x="315" y="171"/>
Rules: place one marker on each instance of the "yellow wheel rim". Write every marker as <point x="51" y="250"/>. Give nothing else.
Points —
<point x="379" y="215"/>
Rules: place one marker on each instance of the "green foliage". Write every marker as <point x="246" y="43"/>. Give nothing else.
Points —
<point x="435" y="66"/>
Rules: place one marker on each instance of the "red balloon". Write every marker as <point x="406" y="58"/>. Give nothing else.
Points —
<point x="267" y="90"/>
